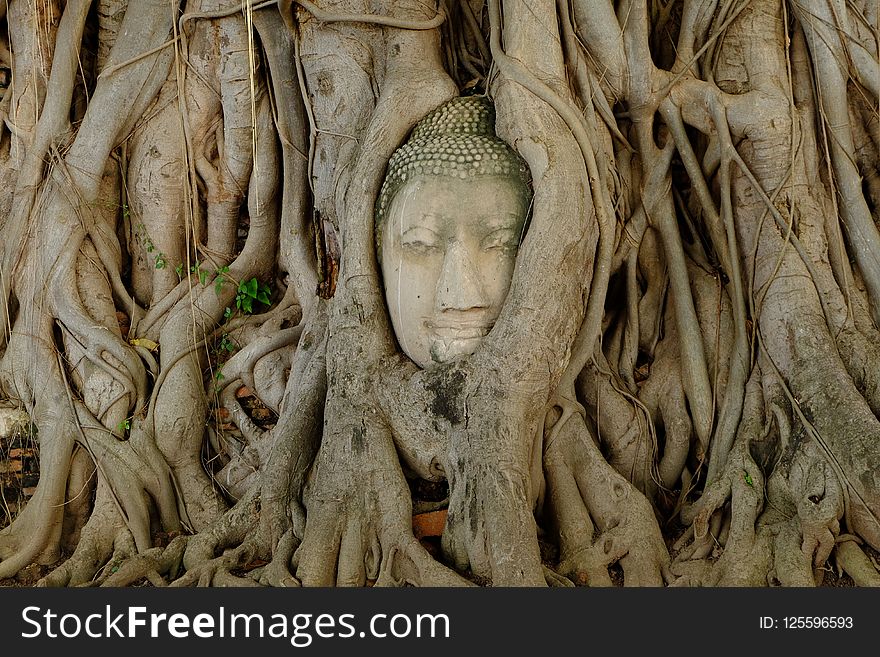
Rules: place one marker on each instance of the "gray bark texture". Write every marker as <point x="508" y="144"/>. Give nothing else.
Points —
<point x="683" y="385"/>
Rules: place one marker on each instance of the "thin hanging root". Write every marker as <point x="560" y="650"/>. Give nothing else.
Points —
<point x="734" y="394"/>
<point x="475" y="30"/>
<point x="723" y="237"/>
<point x="694" y="370"/>
<point x="826" y="40"/>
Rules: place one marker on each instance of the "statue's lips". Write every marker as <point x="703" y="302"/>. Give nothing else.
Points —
<point x="458" y="330"/>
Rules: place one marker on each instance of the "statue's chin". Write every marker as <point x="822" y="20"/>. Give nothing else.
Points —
<point x="444" y="350"/>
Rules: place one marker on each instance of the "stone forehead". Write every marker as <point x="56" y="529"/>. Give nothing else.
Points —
<point x="456" y="140"/>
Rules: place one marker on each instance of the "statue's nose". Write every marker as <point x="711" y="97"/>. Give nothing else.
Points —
<point x="459" y="286"/>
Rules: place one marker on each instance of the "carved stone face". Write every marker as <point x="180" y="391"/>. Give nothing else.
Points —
<point x="448" y="251"/>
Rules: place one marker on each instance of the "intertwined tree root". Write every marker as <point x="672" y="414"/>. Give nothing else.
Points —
<point x="683" y="385"/>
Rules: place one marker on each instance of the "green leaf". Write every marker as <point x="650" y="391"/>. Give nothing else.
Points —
<point x="203" y="276"/>
<point x="252" y="286"/>
<point x="262" y="297"/>
<point x="218" y="286"/>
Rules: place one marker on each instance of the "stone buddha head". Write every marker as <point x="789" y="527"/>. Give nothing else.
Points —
<point x="449" y="220"/>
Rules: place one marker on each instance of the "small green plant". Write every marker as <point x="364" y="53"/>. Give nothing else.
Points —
<point x="141" y="232"/>
<point x="161" y="261"/>
<point x="197" y="270"/>
<point x="179" y="270"/>
<point x="748" y="479"/>
<point x="221" y="278"/>
<point x="226" y="343"/>
<point x="218" y="377"/>
<point x="250" y="291"/>
<point x="125" y="425"/>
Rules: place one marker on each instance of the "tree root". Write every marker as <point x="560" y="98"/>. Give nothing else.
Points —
<point x="323" y="496"/>
<point x="150" y="565"/>
<point x="277" y="571"/>
<point x="218" y="571"/>
<point x="852" y="559"/>
<point x="366" y="533"/>
<point x="789" y="542"/>
<point x="105" y="543"/>
<point x="627" y="433"/>
<point x="582" y="485"/>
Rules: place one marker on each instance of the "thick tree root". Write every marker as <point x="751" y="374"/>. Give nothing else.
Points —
<point x="769" y="117"/>
<point x="852" y="559"/>
<point x="359" y="519"/>
<point x="152" y="565"/>
<point x="601" y="517"/>
<point x="277" y="571"/>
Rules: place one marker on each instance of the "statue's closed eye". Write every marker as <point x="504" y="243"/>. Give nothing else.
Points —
<point x="419" y="239"/>
<point x="505" y="239"/>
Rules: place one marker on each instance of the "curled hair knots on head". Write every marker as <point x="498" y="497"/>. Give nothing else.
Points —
<point x="456" y="140"/>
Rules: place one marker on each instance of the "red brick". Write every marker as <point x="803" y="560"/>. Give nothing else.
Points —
<point x="429" y="524"/>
